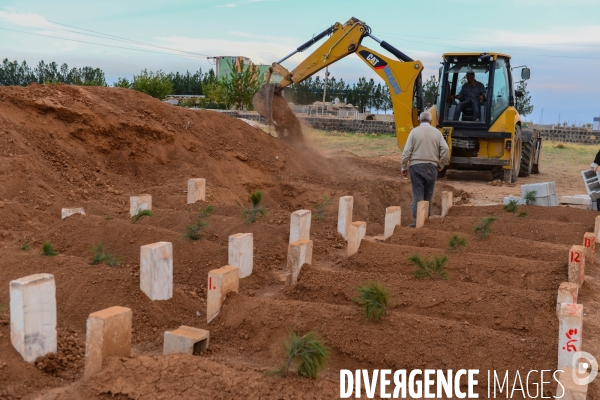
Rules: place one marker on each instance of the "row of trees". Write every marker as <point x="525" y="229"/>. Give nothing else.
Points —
<point x="13" y="73"/>
<point x="234" y="90"/>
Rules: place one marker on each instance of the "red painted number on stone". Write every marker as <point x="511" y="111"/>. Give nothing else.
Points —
<point x="574" y="257"/>
<point x="210" y="286"/>
<point x="571" y="342"/>
<point x="587" y="243"/>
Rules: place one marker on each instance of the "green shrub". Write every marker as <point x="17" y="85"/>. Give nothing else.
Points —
<point x="511" y="207"/>
<point x="456" y="242"/>
<point x="48" y="249"/>
<point x="530" y="197"/>
<point x="374" y="297"/>
<point x="430" y="268"/>
<point x="99" y="256"/>
<point x="523" y="214"/>
<point x="3" y="308"/>
<point x="194" y="231"/>
<point x="156" y="84"/>
<point x="319" y="208"/>
<point x="25" y="246"/>
<point x="484" y="227"/>
<point x="307" y="353"/>
<point x="251" y="214"/>
<point x="140" y="215"/>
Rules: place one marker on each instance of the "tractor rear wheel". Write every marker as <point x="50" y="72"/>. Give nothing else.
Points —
<point x="527" y="153"/>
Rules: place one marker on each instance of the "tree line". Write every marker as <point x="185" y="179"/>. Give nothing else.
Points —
<point x="233" y="90"/>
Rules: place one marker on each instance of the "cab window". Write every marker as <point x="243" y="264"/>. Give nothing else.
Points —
<point x="501" y="93"/>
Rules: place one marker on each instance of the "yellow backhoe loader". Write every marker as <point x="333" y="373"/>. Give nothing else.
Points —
<point x="495" y="141"/>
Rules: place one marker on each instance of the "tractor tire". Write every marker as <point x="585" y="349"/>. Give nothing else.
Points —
<point x="526" y="153"/>
<point x="497" y="173"/>
<point x="510" y="175"/>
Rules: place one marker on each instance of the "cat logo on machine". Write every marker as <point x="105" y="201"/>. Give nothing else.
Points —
<point x="375" y="61"/>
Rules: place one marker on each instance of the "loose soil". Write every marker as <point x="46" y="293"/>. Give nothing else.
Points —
<point x="67" y="146"/>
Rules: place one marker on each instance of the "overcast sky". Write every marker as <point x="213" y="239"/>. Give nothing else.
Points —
<point x="559" y="40"/>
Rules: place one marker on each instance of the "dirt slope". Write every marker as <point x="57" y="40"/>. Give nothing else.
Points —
<point x="63" y="146"/>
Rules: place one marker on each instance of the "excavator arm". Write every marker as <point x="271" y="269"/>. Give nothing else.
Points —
<point x="402" y="76"/>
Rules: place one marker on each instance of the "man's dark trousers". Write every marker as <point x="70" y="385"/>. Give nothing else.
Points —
<point x="422" y="178"/>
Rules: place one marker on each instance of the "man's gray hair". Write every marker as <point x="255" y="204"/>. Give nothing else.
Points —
<point x="425" y="116"/>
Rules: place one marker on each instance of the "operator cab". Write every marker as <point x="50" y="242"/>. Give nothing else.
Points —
<point x="495" y="76"/>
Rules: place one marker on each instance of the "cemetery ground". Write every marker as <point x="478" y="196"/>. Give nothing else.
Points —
<point x="65" y="146"/>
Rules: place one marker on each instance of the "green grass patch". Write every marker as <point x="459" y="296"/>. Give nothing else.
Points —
<point x="141" y="214"/>
<point x="251" y="214"/>
<point x="512" y="206"/>
<point x="484" y="227"/>
<point x="319" y="208"/>
<point x="375" y="299"/>
<point x="429" y="268"/>
<point x="48" y="250"/>
<point x="194" y="231"/>
<point x="308" y="354"/>
<point x="456" y="242"/>
<point x="100" y="256"/>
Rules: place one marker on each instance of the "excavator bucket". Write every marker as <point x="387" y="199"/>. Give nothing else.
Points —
<point x="263" y="101"/>
<point x="274" y="108"/>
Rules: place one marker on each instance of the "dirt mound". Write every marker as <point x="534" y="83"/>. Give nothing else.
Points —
<point x="65" y="146"/>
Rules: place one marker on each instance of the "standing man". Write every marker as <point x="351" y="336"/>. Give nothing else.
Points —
<point x="472" y="94"/>
<point x="426" y="152"/>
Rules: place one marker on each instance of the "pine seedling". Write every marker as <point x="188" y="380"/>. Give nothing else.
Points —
<point x="511" y="207"/>
<point x="456" y="242"/>
<point x="484" y="227"/>
<point x="251" y="214"/>
<point x="48" y="250"/>
<point x="430" y="268"/>
<point x="308" y="353"/>
<point x="140" y="215"/>
<point x="523" y="214"/>
<point x="375" y="298"/>
<point x="194" y="231"/>
<point x="25" y="246"/>
<point x="530" y="197"/>
<point x="319" y="208"/>
<point x="108" y="218"/>
<point x="3" y="308"/>
<point x="99" y="256"/>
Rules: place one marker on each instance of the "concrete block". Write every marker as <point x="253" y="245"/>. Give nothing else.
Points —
<point x="186" y="340"/>
<point x="196" y="190"/>
<point x="545" y="201"/>
<point x="241" y="253"/>
<point x="67" y="212"/>
<point x="299" y="253"/>
<point x="577" y="265"/>
<point x="33" y="316"/>
<point x="345" y="215"/>
<point x="356" y="234"/>
<point x="392" y="220"/>
<point x="519" y="200"/>
<point x="300" y="225"/>
<point x="446" y="203"/>
<point x="542" y="189"/>
<point x="571" y="390"/>
<point x="139" y="203"/>
<point x="589" y="243"/>
<point x="567" y="293"/>
<point x="108" y="333"/>
<point x="570" y="329"/>
<point x="597" y="228"/>
<point x="578" y="199"/>
<point x="422" y="213"/>
<point x="156" y="270"/>
<point x="220" y="282"/>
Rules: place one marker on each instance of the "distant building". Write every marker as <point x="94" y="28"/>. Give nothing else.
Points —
<point x="223" y="65"/>
<point x="596" y="125"/>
